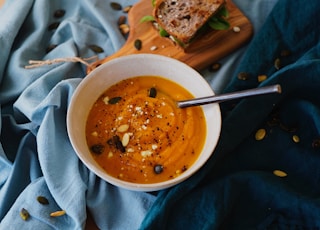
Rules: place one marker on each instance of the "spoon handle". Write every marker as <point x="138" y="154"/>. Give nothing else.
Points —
<point x="229" y="96"/>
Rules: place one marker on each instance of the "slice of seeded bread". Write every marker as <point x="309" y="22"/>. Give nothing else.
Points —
<point x="183" y="18"/>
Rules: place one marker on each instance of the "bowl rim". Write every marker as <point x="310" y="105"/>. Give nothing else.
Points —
<point x="147" y="187"/>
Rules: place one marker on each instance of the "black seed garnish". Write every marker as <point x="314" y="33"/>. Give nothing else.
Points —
<point x="152" y="92"/>
<point x="97" y="149"/>
<point x="138" y="44"/>
<point x="158" y="169"/>
<point x="118" y="144"/>
<point x="53" y="26"/>
<point x="51" y="47"/>
<point x="114" y="100"/>
<point x="96" y="49"/>
<point x="24" y="214"/>
<point x="115" y="6"/>
<point x="42" y="200"/>
<point x="59" y="13"/>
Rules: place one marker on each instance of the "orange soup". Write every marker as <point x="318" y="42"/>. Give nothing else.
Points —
<point x="136" y="132"/>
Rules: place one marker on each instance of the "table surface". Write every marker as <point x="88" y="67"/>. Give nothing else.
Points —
<point x="90" y="225"/>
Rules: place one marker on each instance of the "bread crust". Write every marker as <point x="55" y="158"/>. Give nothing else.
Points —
<point x="183" y="18"/>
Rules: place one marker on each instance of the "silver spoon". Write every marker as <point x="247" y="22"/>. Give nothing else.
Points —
<point x="229" y="96"/>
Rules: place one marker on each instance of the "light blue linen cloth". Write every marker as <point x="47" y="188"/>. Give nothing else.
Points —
<point x="36" y="157"/>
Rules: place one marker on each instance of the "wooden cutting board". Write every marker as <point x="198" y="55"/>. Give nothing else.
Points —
<point x="205" y="50"/>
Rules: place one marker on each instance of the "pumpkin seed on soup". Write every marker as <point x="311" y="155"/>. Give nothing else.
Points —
<point x="114" y="100"/>
<point x="153" y="92"/>
<point x="158" y="169"/>
<point x="138" y="44"/>
<point x="97" y="149"/>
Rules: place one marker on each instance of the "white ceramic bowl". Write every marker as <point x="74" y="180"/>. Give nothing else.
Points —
<point x="134" y="65"/>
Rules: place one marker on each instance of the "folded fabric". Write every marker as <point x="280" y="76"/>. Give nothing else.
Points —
<point x="268" y="181"/>
<point x="36" y="157"/>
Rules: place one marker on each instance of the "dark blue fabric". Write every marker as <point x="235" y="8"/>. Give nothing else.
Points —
<point x="237" y="188"/>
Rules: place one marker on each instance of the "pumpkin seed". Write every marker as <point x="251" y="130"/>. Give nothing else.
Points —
<point x="152" y="92"/>
<point x="42" y="200"/>
<point x="262" y="78"/>
<point x="123" y="128"/>
<point x="51" y="47"/>
<point x="96" y="49"/>
<point x="138" y="44"/>
<point x="127" y="9"/>
<point x="125" y="139"/>
<point x="53" y="26"/>
<point x="277" y="63"/>
<point x="236" y="29"/>
<point x="58" y="213"/>
<point x="260" y="134"/>
<point x="24" y="214"/>
<point x="124" y="28"/>
<point x="97" y="149"/>
<point x="316" y="143"/>
<point x="122" y="19"/>
<point x="118" y="143"/>
<point x="285" y="53"/>
<point x="243" y="76"/>
<point x="295" y="138"/>
<point x="59" y="13"/>
<point x="158" y="169"/>
<point x="114" y="100"/>
<point x="215" y="67"/>
<point x="115" y="6"/>
<point x="279" y="173"/>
